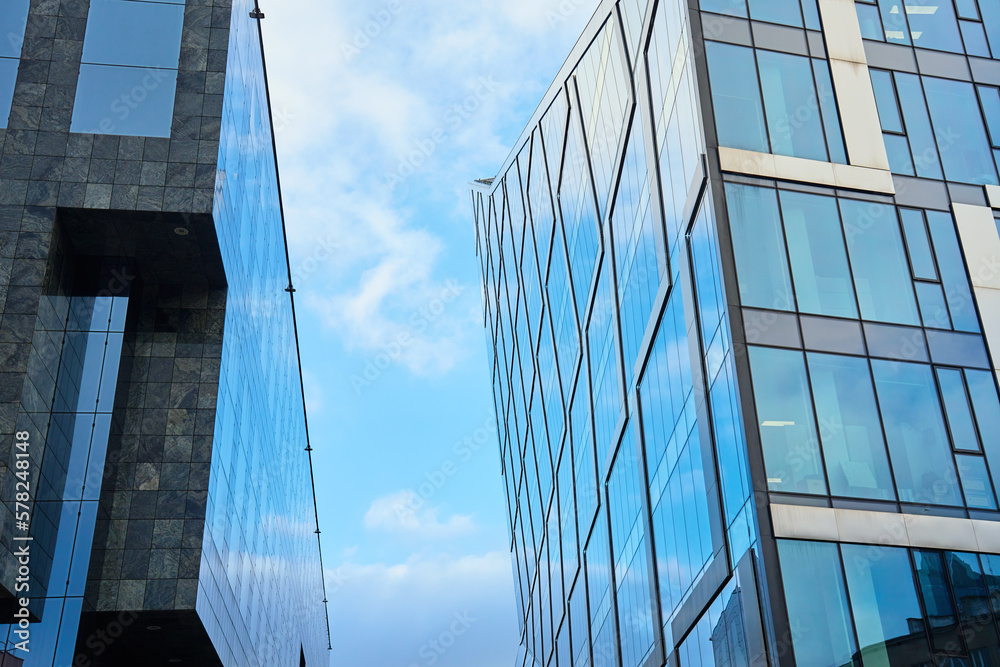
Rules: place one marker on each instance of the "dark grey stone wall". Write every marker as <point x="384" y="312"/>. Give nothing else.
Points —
<point x="149" y="531"/>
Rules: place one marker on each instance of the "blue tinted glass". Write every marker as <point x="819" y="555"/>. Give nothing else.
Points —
<point x="739" y="114"/>
<point x="991" y="569"/>
<point x="816" y="598"/>
<point x="898" y="149"/>
<point x="940" y="612"/>
<point x="933" y="25"/>
<point x="933" y="309"/>
<point x="918" y="245"/>
<point x="811" y="12"/>
<point x="884" y="602"/>
<point x="871" y="22"/>
<point x="952" y="268"/>
<point x="990" y="98"/>
<point x="124" y="101"/>
<point x="759" y="245"/>
<point x="8" y="78"/>
<point x="817" y="255"/>
<point x="831" y="117"/>
<point x="967" y="9"/>
<point x="976" y="482"/>
<point x="851" y="431"/>
<point x="914" y="427"/>
<point x="13" y="19"/>
<point x="786" y="12"/>
<point x="894" y="21"/>
<point x="139" y="34"/>
<point x="881" y="272"/>
<point x="918" y="126"/>
<point x="956" y="404"/>
<point x="975" y="39"/>
<point x="885" y="97"/>
<point x="785" y="417"/>
<point x="731" y="7"/>
<point x="991" y="19"/>
<point x="787" y="82"/>
<point x="959" y="125"/>
<point x="986" y="406"/>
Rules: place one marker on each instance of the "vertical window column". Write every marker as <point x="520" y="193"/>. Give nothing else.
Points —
<point x="128" y="75"/>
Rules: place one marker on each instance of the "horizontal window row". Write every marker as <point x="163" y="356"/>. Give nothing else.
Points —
<point x="939" y="128"/>
<point x="886" y="430"/>
<point x="841" y="257"/>
<point x="874" y="606"/>
<point x="785" y="12"/>
<point x="963" y="26"/>
<point x="773" y="102"/>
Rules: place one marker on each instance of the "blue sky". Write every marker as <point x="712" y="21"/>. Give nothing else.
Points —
<point x="384" y="112"/>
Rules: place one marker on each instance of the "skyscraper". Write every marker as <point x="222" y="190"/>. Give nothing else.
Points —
<point x="158" y="505"/>
<point x="742" y="287"/>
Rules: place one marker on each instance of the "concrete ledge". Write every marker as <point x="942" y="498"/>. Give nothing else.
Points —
<point x="800" y="170"/>
<point x="885" y="529"/>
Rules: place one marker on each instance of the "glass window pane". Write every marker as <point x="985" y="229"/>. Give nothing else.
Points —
<point x="976" y="482"/>
<point x="967" y="9"/>
<point x="731" y="7"/>
<point x="13" y="20"/>
<point x="991" y="19"/>
<point x="918" y="126"/>
<point x="881" y="272"/>
<point x="816" y="251"/>
<point x="894" y="21"/>
<point x="127" y="101"/>
<point x="956" y="404"/>
<point x="817" y="600"/>
<point x="885" y="98"/>
<point x="871" y="22"/>
<point x="966" y="577"/>
<point x="975" y="39"/>
<point x="991" y="571"/>
<point x="759" y="245"/>
<point x="884" y="602"/>
<point x="914" y="427"/>
<point x="959" y="124"/>
<point x="850" y="429"/>
<point x="933" y="25"/>
<point x="787" y="425"/>
<point x="898" y="149"/>
<point x="952" y="267"/>
<point x="933" y="309"/>
<point x="990" y="98"/>
<point x="739" y="113"/>
<point x="789" y="98"/>
<point x="8" y="78"/>
<point x="831" y="116"/>
<point x="940" y="612"/>
<point x="986" y="407"/>
<point x="918" y="245"/>
<point x="811" y="12"/>
<point x="786" y="12"/>
<point x="138" y="34"/>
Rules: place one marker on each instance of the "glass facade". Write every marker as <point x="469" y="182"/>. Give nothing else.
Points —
<point x="158" y="464"/>
<point x="743" y="350"/>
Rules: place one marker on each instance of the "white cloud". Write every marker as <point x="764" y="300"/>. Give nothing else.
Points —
<point x="405" y="513"/>
<point x="394" y="615"/>
<point x="347" y="125"/>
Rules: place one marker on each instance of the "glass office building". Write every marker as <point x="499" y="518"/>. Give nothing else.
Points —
<point x="156" y="461"/>
<point x="742" y="289"/>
